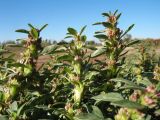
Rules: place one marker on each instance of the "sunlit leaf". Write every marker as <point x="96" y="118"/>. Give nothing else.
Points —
<point x="96" y="114"/>
<point x="34" y="33"/>
<point x="108" y="97"/>
<point x="128" y="104"/>
<point x="72" y="31"/>
<point x="98" y="52"/>
<point x="49" y="49"/>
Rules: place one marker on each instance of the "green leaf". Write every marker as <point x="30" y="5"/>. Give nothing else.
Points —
<point x="130" y="27"/>
<point x="95" y="115"/>
<point x="67" y="70"/>
<point x="23" y="31"/>
<point x="88" y="116"/>
<point x="101" y="36"/>
<point x="65" y="58"/>
<point x="4" y="117"/>
<point x="98" y="23"/>
<point x="82" y="30"/>
<point x="123" y="80"/>
<point x="157" y="112"/>
<point x="72" y="31"/>
<point x="107" y="24"/>
<point x="44" y="26"/>
<point x="68" y="37"/>
<point x="118" y="16"/>
<point x="20" y="109"/>
<point x="50" y="49"/>
<point x="128" y="104"/>
<point x="108" y="97"/>
<point x="34" y="33"/>
<point x="98" y="52"/>
<point x="128" y="84"/>
<point x="16" y="65"/>
<point x="106" y="14"/>
<point x="89" y="75"/>
<point x="149" y="117"/>
<point x="1" y="96"/>
<point x="84" y="38"/>
<point x="158" y="86"/>
<point x="98" y="32"/>
<point x="132" y="43"/>
<point x="115" y="12"/>
<point x="96" y="111"/>
<point x="31" y="26"/>
<point x="145" y="82"/>
<point x="135" y="87"/>
<point x="14" y="106"/>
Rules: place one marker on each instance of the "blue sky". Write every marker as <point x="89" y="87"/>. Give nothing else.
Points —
<point x="61" y="14"/>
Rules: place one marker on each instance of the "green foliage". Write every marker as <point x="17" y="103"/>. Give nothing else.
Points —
<point x="76" y="83"/>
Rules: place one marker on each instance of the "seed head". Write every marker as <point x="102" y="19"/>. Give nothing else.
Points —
<point x="151" y="89"/>
<point x="112" y="19"/>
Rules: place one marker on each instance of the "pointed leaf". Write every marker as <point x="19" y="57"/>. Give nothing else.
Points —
<point x="101" y="36"/>
<point x="115" y="12"/>
<point x="23" y="31"/>
<point x="82" y="30"/>
<point x="43" y="27"/>
<point x="96" y="111"/>
<point x="50" y="49"/>
<point x="107" y="24"/>
<point x="100" y="32"/>
<point x="108" y="97"/>
<point x="20" y="109"/>
<point x="98" y="52"/>
<point x="31" y="26"/>
<point x="132" y="43"/>
<point x="123" y="80"/>
<point x="84" y="38"/>
<point x="65" y="58"/>
<point x="95" y="115"/>
<point x="68" y="37"/>
<point x="72" y="31"/>
<point x="128" y="104"/>
<point x="98" y="23"/>
<point x="106" y="14"/>
<point x="118" y="16"/>
<point x="133" y="87"/>
<point x="34" y="33"/>
<point x="130" y="27"/>
<point x="128" y="84"/>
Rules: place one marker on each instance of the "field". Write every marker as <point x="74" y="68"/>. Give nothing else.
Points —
<point x="132" y="51"/>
